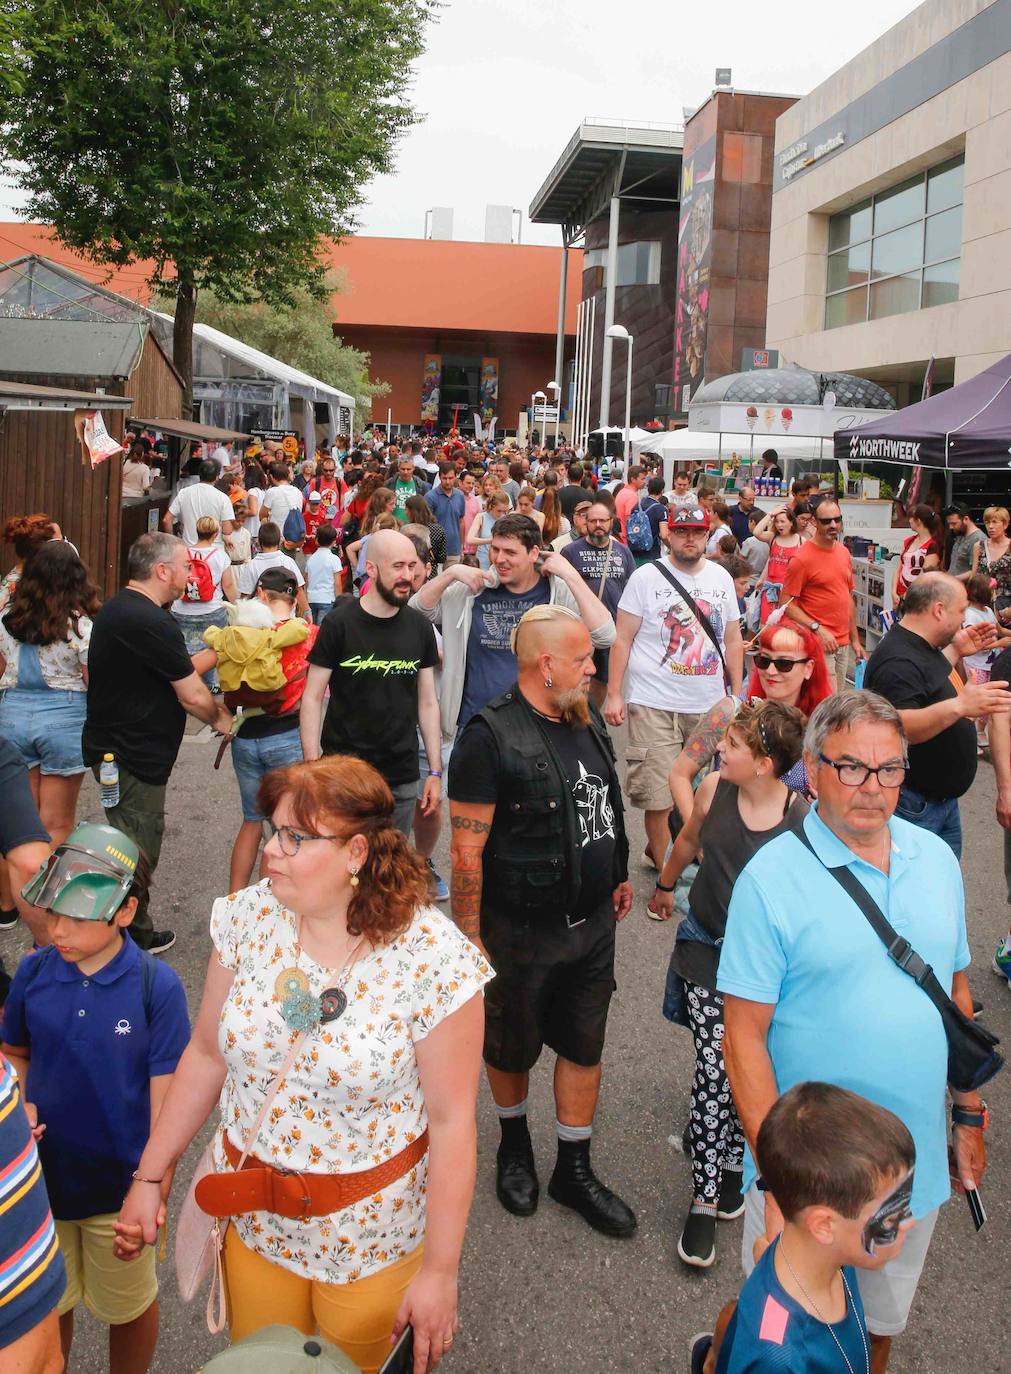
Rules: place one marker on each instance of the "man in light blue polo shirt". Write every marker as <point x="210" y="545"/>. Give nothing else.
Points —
<point x="811" y="993"/>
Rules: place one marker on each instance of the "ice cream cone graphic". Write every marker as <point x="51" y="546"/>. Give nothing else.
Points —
<point x="768" y="414"/>
<point x="786" y="415"/>
<point x="751" y="417"/>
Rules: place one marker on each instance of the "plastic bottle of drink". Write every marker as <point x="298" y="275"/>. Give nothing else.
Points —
<point x="108" y="778"/>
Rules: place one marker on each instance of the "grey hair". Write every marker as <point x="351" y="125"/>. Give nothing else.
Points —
<point x="844" y="710"/>
<point x="147" y="552"/>
<point x="929" y="588"/>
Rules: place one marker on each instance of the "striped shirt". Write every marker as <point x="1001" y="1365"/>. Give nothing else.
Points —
<point x="32" y="1277"/>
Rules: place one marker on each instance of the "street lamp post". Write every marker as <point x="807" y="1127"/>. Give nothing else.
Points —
<point x="618" y="331"/>
<point x="537" y="396"/>
<point x="554" y="386"/>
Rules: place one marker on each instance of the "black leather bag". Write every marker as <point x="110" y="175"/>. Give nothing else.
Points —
<point x="973" y="1058"/>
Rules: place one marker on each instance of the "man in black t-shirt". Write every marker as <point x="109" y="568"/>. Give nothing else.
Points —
<point x="605" y="565"/>
<point x="540" y="877"/>
<point x="141" y="686"/>
<point x="914" y="668"/>
<point x="378" y="657"/>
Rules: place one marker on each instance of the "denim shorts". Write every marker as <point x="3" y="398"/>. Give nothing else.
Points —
<point x="45" y="725"/>
<point x="252" y="758"/>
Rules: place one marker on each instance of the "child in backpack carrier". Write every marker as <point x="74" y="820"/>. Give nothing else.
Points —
<point x="95" y="1027"/>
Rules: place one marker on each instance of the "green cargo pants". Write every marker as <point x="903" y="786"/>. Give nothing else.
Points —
<point x="140" y="815"/>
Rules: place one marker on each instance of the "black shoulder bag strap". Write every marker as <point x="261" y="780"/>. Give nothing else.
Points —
<point x="972" y="1058"/>
<point x="699" y="615"/>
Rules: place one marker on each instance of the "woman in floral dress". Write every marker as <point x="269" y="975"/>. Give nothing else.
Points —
<point x="338" y="954"/>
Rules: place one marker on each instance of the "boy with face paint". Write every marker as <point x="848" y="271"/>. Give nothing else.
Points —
<point x="841" y="1170"/>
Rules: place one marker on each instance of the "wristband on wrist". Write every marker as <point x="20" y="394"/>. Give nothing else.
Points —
<point x="661" y="888"/>
<point x="433" y="774"/>
<point x="977" y="1118"/>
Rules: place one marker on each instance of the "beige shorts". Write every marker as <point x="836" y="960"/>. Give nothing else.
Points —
<point x="114" y="1290"/>
<point x="655" y="738"/>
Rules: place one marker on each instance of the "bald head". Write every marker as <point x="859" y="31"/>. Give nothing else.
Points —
<point x="554" y="653"/>
<point x="932" y="587"/>
<point x="391" y="561"/>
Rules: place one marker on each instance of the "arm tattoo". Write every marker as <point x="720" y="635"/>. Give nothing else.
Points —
<point x="702" y="742"/>
<point x="467" y="879"/>
<point x="468" y="823"/>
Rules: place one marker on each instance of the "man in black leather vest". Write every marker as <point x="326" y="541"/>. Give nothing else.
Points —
<point x="540" y="878"/>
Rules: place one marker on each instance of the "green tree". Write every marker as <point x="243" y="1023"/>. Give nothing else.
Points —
<point x="301" y="335"/>
<point x="216" y="140"/>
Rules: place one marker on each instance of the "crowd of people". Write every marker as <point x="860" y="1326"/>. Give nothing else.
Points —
<point x="381" y="631"/>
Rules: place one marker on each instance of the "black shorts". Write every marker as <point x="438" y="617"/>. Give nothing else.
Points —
<point x="552" y="986"/>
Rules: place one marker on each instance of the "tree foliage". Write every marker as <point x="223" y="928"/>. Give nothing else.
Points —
<point x="301" y="335"/>
<point x="220" y="139"/>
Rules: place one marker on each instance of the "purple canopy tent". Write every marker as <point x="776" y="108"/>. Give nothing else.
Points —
<point x="966" y="427"/>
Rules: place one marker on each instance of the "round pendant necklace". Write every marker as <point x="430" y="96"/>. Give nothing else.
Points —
<point x="817" y="1313"/>
<point x="300" y="1008"/>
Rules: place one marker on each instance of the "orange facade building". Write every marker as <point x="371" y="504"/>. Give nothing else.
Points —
<point x="481" y="318"/>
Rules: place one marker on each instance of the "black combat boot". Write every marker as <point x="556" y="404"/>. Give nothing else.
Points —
<point x="575" y="1185"/>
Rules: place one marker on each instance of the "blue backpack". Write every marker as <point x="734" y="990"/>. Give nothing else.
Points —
<point x="638" y="530"/>
<point x="294" y="527"/>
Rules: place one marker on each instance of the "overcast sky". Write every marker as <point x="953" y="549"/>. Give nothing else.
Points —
<point x="504" y="84"/>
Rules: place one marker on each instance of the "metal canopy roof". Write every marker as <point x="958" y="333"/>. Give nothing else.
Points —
<point x="605" y="158"/>
<point x="188" y="429"/>
<point x="22" y="396"/>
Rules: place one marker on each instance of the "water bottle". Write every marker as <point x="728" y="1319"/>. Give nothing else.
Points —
<point x="108" y="779"/>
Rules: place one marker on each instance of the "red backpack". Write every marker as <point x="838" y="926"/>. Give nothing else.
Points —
<point x="200" y="581"/>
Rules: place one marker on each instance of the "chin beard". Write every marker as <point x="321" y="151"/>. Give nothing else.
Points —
<point x="574" y="707"/>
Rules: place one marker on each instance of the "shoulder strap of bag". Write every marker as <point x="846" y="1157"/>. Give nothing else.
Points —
<point x="698" y="613"/>
<point x="607" y="570"/>
<point x="900" y="951"/>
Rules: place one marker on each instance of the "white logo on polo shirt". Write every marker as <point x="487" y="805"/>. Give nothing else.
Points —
<point x="123" y="1027"/>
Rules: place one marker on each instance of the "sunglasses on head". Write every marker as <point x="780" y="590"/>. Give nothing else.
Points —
<point x="782" y="665"/>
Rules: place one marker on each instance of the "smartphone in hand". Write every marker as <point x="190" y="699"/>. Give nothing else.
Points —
<point x="401" y="1358"/>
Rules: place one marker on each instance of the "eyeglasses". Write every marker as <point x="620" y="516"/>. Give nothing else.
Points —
<point x="782" y="665"/>
<point x="291" y="841"/>
<point x="856" y="774"/>
<point x="829" y="519"/>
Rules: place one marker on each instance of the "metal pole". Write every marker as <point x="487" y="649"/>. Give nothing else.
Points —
<point x="609" y="290"/>
<point x="577" y="363"/>
<point x="628" y="406"/>
<point x="560" y="336"/>
<point x="591" y="334"/>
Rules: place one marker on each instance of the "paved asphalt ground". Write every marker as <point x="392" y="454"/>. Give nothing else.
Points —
<point x="546" y="1295"/>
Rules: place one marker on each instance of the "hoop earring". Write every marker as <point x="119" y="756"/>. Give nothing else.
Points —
<point x="548" y="682"/>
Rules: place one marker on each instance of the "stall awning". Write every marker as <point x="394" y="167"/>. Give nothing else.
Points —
<point x="187" y="429"/>
<point x="22" y="396"/>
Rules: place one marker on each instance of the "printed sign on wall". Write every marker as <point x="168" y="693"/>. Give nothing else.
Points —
<point x="431" y="387"/>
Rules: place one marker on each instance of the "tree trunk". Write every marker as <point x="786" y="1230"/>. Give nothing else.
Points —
<point x="182" y="341"/>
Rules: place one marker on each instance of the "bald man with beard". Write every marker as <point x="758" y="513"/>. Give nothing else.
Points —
<point x="378" y="656"/>
<point x="540" y="879"/>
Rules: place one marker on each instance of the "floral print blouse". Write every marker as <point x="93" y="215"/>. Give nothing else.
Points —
<point x="353" y="1096"/>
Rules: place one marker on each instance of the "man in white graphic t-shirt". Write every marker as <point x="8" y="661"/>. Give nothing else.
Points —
<point x="675" y="669"/>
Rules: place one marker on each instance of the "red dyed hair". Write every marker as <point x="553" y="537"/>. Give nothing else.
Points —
<point x="351" y="798"/>
<point x="817" y="687"/>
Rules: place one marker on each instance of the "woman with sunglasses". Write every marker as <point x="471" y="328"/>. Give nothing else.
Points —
<point x="735" y="812"/>
<point x="789" y="669"/>
<point x="335" y="979"/>
<point x="779" y="531"/>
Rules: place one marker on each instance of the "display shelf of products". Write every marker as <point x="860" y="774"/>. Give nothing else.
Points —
<point x="872" y="583"/>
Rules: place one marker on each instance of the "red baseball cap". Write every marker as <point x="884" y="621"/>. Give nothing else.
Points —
<point x="689" y="518"/>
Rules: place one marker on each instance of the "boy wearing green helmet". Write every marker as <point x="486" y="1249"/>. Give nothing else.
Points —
<point x="94" y="1027"/>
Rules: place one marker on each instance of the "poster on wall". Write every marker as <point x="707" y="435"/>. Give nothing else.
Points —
<point x="695" y="243"/>
<point x="431" y="386"/>
<point x="488" y="397"/>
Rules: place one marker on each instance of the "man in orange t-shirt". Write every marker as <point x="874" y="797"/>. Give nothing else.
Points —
<point x="818" y="592"/>
<point x="627" y="498"/>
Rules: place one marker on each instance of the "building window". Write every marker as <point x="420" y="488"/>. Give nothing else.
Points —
<point x="638" y="264"/>
<point x="898" y="251"/>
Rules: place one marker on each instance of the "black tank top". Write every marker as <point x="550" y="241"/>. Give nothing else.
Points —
<point x="728" y="846"/>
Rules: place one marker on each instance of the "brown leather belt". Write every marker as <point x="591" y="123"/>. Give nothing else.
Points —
<point x="260" y="1187"/>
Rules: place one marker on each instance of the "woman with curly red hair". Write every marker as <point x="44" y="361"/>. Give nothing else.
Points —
<point x="334" y="978"/>
<point x="26" y="533"/>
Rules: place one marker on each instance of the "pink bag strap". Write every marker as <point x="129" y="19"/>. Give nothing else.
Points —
<point x="216" y="1309"/>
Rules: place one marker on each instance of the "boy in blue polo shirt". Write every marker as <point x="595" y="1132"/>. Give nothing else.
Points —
<point x="95" y="1027"/>
<point x="841" y="1171"/>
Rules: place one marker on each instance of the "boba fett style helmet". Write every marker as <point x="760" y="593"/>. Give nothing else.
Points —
<point x="88" y="876"/>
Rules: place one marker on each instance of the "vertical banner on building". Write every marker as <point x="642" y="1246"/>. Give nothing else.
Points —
<point x="695" y="243"/>
<point x="431" y="388"/>
<point x="489" y="388"/>
<point x="344" y="420"/>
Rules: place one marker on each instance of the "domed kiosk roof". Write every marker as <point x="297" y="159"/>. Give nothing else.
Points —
<point x="794" y="386"/>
